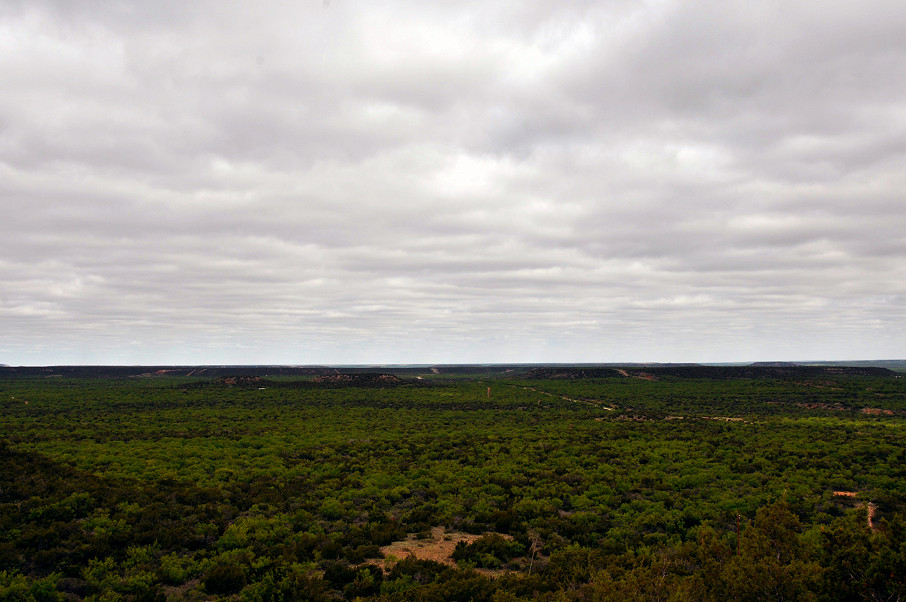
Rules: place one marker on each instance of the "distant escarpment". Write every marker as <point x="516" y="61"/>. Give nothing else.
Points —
<point x="564" y="372"/>
<point x="358" y="380"/>
<point x="709" y="372"/>
<point x="324" y="380"/>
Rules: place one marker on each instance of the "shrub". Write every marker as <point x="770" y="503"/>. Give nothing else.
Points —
<point x="490" y="551"/>
<point x="224" y="579"/>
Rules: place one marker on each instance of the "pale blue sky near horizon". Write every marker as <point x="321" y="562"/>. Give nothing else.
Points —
<point x="454" y="182"/>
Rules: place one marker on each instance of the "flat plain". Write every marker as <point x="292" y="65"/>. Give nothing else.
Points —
<point x="453" y="483"/>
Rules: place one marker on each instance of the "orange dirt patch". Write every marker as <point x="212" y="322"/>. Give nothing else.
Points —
<point x="845" y="493"/>
<point x="439" y="548"/>
<point x="877" y="412"/>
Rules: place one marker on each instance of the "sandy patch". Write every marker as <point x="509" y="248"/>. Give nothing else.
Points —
<point x="439" y="548"/>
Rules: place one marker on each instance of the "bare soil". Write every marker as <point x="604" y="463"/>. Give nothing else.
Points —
<point x="439" y="548"/>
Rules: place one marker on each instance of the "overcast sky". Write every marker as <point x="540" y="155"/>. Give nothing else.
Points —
<point x="417" y="182"/>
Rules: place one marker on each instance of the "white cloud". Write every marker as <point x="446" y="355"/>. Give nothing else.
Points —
<point x="412" y="182"/>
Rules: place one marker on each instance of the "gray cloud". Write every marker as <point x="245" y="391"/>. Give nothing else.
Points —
<point x="411" y="182"/>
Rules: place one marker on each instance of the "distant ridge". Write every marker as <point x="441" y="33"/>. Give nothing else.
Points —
<point x="775" y="364"/>
<point x="708" y="372"/>
<point x="899" y="365"/>
<point x="650" y="371"/>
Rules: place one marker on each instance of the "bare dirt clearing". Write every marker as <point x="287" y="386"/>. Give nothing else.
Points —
<point x="439" y="548"/>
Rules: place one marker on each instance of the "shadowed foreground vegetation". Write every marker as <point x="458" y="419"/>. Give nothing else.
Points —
<point x="573" y="485"/>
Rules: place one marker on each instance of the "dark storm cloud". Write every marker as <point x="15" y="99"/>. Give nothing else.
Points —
<point x="299" y="182"/>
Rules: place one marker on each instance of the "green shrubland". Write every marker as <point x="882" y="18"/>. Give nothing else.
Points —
<point x="579" y="489"/>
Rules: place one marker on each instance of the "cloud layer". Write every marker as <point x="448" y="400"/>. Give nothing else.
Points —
<point x="326" y="182"/>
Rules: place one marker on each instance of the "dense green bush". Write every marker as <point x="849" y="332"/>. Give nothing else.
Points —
<point x="140" y="489"/>
<point x="225" y="579"/>
<point x="490" y="551"/>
